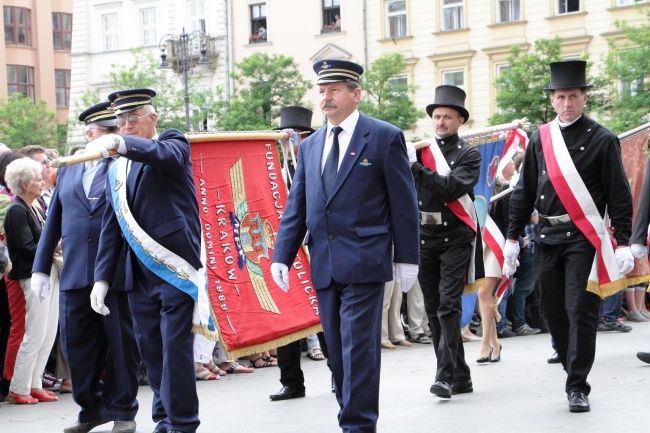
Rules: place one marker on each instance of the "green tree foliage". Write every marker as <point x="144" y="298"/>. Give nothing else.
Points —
<point x="144" y="72"/>
<point x="23" y="123"/>
<point x="520" y="88"/>
<point x="388" y="99"/>
<point x="265" y="84"/>
<point x="626" y="69"/>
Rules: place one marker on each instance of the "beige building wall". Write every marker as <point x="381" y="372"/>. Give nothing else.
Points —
<point x="482" y="44"/>
<point x="300" y="33"/>
<point x="41" y="55"/>
<point x="106" y="31"/>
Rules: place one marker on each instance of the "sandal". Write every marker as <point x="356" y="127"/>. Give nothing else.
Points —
<point x="214" y="368"/>
<point x="315" y="354"/>
<point x="237" y="368"/>
<point x="17" y="399"/>
<point x="266" y="362"/>
<point x="202" y="373"/>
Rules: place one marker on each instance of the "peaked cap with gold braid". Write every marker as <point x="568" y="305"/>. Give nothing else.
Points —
<point x="129" y="100"/>
<point x="334" y="70"/>
<point x="101" y="114"/>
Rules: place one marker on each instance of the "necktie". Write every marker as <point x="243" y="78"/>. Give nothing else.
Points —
<point x="332" y="162"/>
<point x="97" y="186"/>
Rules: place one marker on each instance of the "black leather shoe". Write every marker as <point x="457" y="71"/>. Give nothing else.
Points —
<point x="286" y="393"/>
<point x="441" y="388"/>
<point x="578" y="402"/>
<point x="83" y="427"/>
<point x="462" y="387"/>
<point x="555" y="359"/>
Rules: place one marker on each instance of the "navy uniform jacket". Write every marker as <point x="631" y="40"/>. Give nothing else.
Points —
<point x="77" y="226"/>
<point x="372" y="207"/>
<point x="160" y="192"/>
<point x="435" y="190"/>
<point x="596" y="154"/>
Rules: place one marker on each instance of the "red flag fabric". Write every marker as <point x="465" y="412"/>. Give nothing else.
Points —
<point x="634" y="148"/>
<point x="241" y="196"/>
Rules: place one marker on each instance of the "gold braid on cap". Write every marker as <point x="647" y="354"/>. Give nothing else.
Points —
<point x="325" y="73"/>
<point x="104" y="114"/>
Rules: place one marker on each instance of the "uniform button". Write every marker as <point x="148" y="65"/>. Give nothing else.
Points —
<point x="543" y="236"/>
<point x="90" y="217"/>
<point x="327" y="212"/>
<point x="542" y="197"/>
<point x="420" y="203"/>
<point x="543" y="171"/>
<point x="330" y="237"/>
<point x="442" y="141"/>
<point x="568" y="233"/>
<point x="451" y="163"/>
<point x="446" y="239"/>
<point x="445" y="223"/>
<point x="582" y="148"/>
<point x="90" y="241"/>
<point x="422" y="242"/>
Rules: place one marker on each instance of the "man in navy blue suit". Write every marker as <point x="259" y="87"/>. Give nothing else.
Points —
<point x="354" y="194"/>
<point x="153" y="205"/>
<point x="92" y="343"/>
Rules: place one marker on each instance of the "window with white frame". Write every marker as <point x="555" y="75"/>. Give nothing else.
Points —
<point x="500" y="70"/>
<point x="508" y="11"/>
<point x="196" y="14"/>
<point x="111" y="29"/>
<point x="395" y="19"/>
<point x="626" y="2"/>
<point x="258" y="22"/>
<point x="148" y="27"/>
<point x="452" y="14"/>
<point x="567" y="6"/>
<point x="331" y="16"/>
<point x="454" y="78"/>
<point x="398" y="85"/>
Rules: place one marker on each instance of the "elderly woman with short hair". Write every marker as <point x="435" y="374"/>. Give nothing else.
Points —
<point x="23" y="225"/>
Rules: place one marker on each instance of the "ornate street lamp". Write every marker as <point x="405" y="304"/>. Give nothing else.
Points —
<point x="184" y="46"/>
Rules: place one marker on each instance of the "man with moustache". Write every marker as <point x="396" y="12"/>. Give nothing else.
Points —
<point x="353" y="192"/>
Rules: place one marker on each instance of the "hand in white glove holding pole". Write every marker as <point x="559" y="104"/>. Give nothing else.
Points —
<point x="97" y="297"/>
<point x="625" y="260"/>
<point x="280" y="274"/>
<point x="103" y="144"/>
<point x="510" y="254"/>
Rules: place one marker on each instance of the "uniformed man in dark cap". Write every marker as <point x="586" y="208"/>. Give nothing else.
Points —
<point x="445" y="175"/>
<point x="354" y="193"/>
<point x="572" y="173"/>
<point x="92" y="343"/>
<point x="153" y="205"/>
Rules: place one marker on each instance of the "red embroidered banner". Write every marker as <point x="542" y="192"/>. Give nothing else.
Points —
<point x="634" y="148"/>
<point x="241" y="195"/>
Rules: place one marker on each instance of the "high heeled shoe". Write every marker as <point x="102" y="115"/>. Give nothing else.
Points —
<point x="43" y="395"/>
<point x="498" y="358"/>
<point x="485" y="359"/>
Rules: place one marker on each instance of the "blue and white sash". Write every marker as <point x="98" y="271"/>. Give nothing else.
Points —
<point x="168" y="266"/>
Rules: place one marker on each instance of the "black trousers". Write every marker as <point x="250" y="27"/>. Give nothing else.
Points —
<point x="442" y="278"/>
<point x="570" y="311"/>
<point x="291" y="374"/>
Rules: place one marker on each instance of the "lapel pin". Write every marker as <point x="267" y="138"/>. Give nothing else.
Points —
<point x="352" y="153"/>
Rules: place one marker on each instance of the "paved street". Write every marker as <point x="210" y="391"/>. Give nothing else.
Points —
<point x="522" y="393"/>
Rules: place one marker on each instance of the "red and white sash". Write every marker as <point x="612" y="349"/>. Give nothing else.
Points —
<point x="463" y="207"/>
<point x="494" y="241"/>
<point x="605" y="277"/>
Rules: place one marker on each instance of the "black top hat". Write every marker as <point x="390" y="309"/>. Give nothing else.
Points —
<point x="449" y="96"/>
<point x="101" y="114"/>
<point x="129" y="100"/>
<point x="295" y="118"/>
<point x="569" y="74"/>
<point x="333" y="70"/>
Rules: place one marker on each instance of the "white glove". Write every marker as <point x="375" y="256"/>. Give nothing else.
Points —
<point x="625" y="260"/>
<point x="294" y="136"/>
<point x="639" y="251"/>
<point x="406" y="274"/>
<point x="97" y="297"/>
<point x="40" y="284"/>
<point x="410" y="151"/>
<point x="104" y="143"/>
<point x="510" y="254"/>
<point x="280" y="274"/>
